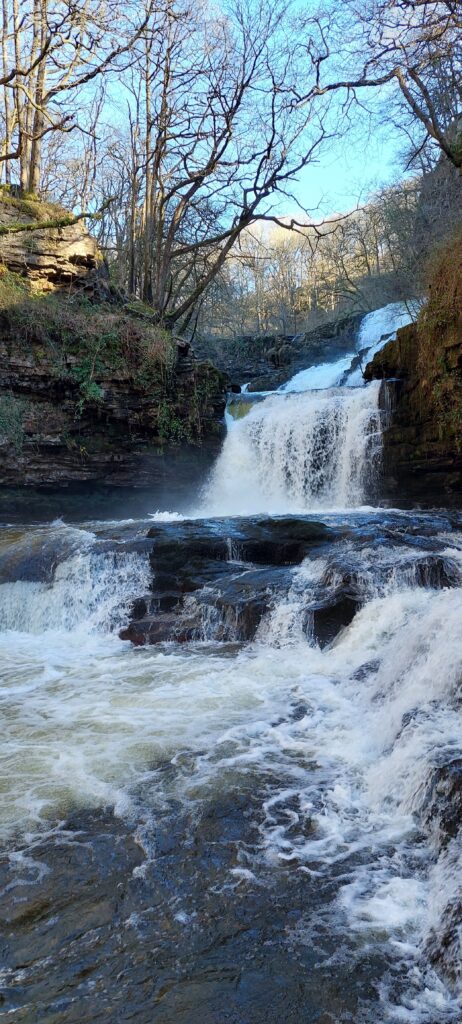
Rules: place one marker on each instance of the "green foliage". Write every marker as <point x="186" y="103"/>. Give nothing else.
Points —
<point x="84" y="373"/>
<point x="11" y="420"/>
<point x="85" y="344"/>
<point x="170" y="427"/>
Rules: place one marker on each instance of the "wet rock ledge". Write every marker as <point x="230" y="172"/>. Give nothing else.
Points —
<point x="216" y="580"/>
<point x="220" y="580"/>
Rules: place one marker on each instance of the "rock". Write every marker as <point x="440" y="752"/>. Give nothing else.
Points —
<point x="55" y="257"/>
<point x="422" y="457"/>
<point x="161" y="628"/>
<point x="206" y="584"/>
<point x="267" y="361"/>
<point x="121" y="439"/>
<point x="442" y="812"/>
<point x="329" y="619"/>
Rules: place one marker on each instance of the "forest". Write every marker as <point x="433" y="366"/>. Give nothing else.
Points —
<point x="180" y="131"/>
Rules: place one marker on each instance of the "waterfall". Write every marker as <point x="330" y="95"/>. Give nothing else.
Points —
<point x="298" y="452"/>
<point x="89" y="590"/>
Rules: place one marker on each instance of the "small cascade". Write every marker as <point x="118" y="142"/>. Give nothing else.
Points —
<point x="315" y="443"/>
<point x="296" y="452"/>
<point x="89" y="589"/>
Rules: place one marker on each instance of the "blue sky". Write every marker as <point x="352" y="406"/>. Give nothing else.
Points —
<point x="347" y="172"/>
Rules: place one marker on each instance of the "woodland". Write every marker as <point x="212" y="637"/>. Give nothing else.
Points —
<point x="180" y="131"/>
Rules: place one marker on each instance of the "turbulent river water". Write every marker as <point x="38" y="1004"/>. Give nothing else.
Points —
<point x="242" y="827"/>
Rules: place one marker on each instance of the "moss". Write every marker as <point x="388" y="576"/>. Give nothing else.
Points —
<point x="439" y="328"/>
<point x="92" y="349"/>
<point x="12" y="411"/>
<point x="30" y="205"/>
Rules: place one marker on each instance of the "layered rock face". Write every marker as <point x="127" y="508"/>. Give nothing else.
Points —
<point x="53" y="257"/>
<point x="48" y="438"/>
<point x="423" y="368"/>
<point x="91" y="389"/>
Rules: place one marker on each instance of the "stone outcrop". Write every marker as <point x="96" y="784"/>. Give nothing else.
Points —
<point x="217" y="581"/>
<point x="60" y="256"/>
<point x="48" y="438"/>
<point x="422" y="390"/>
<point x="91" y="392"/>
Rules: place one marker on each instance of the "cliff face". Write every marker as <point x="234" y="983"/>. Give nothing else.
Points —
<point x="59" y="256"/>
<point x="423" y="442"/>
<point x="91" y="389"/>
<point x="119" y="435"/>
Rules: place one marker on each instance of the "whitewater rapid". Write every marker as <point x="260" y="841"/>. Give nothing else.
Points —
<point x="299" y="452"/>
<point x="340" y="748"/>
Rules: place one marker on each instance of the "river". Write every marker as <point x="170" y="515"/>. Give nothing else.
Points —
<point x="257" y="818"/>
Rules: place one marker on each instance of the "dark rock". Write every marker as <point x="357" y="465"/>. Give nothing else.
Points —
<point x="442" y="812"/>
<point x="161" y="628"/>
<point x="118" y="441"/>
<point x="198" y="592"/>
<point x="422" y="457"/>
<point x="330" y="619"/>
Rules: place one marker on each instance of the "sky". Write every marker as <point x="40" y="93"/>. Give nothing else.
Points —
<point x="346" y="173"/>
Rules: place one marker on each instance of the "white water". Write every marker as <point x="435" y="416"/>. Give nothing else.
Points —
<point x="325" y="375"/>
<point x="298" y="452"/>
<point x="378" y="326"/>
<point x="375" y="330"/>
<point x="87" y="719"/>
<point x="311" y="445"/>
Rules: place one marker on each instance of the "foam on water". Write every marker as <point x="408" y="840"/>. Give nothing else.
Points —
<point x="325" y="375"/>
<point x="377" y="327"/>
<point x="298" y="452"/>
<point x="375" y="330"/>
<point x="86" y="719"/>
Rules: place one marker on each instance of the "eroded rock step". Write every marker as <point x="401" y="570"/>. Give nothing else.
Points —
<point x="218" y="579"/>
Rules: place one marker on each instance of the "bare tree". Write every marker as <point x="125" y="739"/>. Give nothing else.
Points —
<point x="415" y="45"/>
<point x="212" y="137"/>
<point x="53" y="51"/>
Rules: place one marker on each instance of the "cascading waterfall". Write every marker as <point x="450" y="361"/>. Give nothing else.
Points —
<point x="299" y="452"/>
<point x="344" y="756"/>
<point x="89" y="589"/>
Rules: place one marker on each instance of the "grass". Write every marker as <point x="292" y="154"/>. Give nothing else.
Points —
<point x="84" y="341"/>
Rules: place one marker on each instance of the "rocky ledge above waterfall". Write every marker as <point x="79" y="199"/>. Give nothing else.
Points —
<point x="423" y="441"/>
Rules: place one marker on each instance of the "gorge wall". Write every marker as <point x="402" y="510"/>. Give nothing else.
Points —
<point x="423" y="440"/>
<point x="91" y="389"/>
